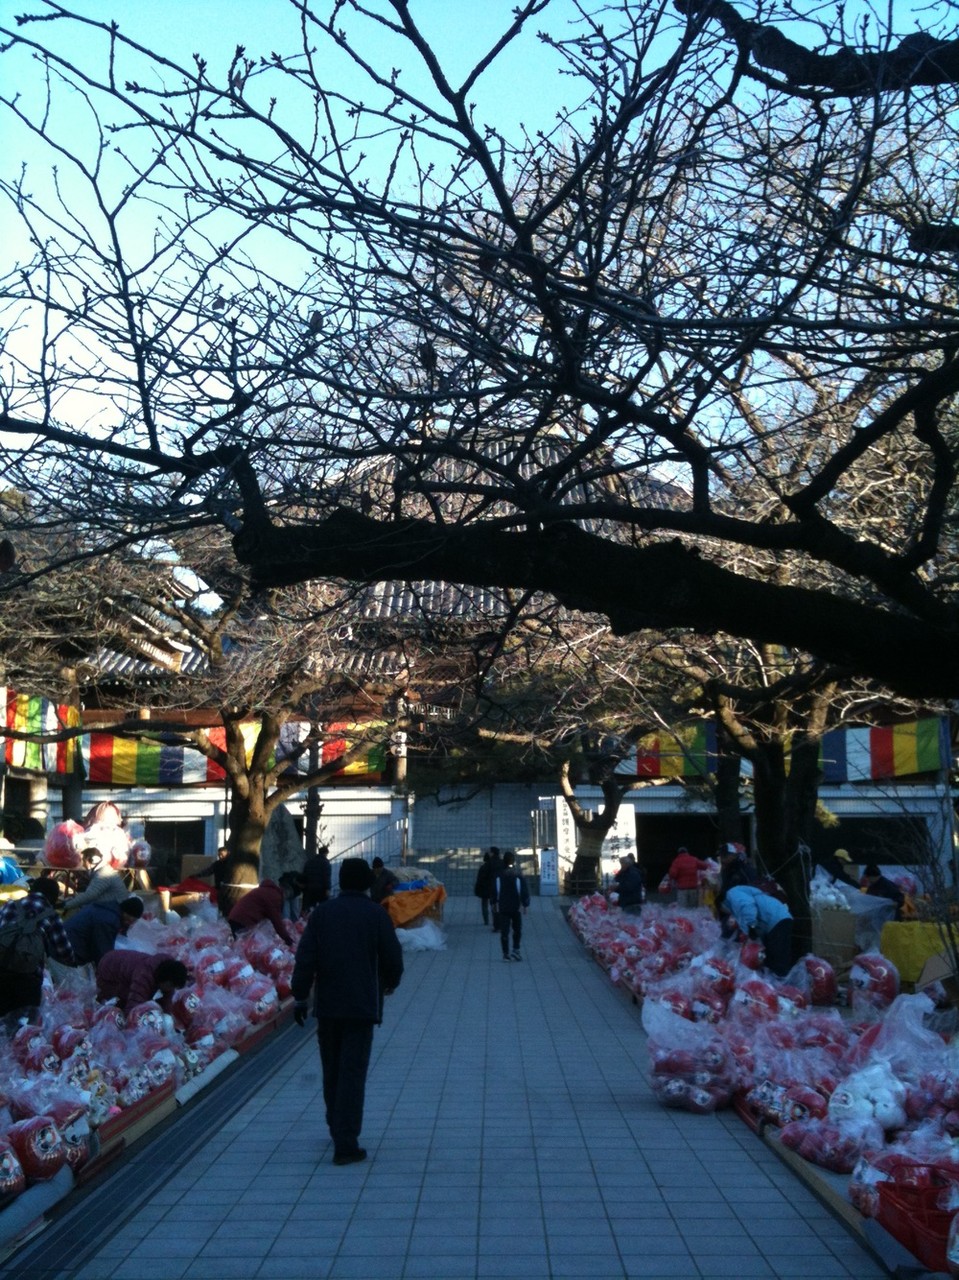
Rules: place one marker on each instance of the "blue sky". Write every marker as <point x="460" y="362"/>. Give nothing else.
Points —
<point x="523" y="85"/>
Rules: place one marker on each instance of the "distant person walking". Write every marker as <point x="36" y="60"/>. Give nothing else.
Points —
<point x="351" y="958"/>
<point x="318" y="878"/>
<point x="510" y="898"/>
<point x="481" y="886"/>
<point x="495" y="867"/>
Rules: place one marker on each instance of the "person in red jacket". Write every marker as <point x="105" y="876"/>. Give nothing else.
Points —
<point x="684" y="873"/>
<point x="265" y="902"/>
<point x="133" y="977"/>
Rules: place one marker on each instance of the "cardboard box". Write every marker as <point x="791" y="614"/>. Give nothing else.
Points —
<point x="834" y="939"/>
<point x="940" y="968"/>
<point x="191" y="863"/>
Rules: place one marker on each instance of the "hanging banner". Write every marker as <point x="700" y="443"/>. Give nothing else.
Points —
<point x="887" y="751"/>
<point x="846" y="755"/>
<point x="687" y="753"/>
<point x="152" y="762"/>
<point x="38" y="716"/>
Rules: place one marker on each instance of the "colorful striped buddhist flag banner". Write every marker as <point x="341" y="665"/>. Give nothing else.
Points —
<point x="38" y="716"/>
<point x="687" y="753"/>
<point x="370" y="764"/>
<point x="887" y="751"/>
<point x="153" y="762"/>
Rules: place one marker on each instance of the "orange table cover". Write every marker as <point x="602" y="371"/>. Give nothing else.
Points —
<point x="410" y="903"/>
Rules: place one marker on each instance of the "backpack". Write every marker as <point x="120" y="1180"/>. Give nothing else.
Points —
<point x="22" y="947"/>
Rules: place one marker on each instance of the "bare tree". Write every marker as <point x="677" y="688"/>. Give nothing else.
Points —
<point x="251" y="285"/>
<point x="165" y="645"/>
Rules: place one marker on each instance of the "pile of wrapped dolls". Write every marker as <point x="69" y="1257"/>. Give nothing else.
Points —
<point x="870" y="1089"/>
<point x="102" y="829"/>
<point x="85" y="1063"/>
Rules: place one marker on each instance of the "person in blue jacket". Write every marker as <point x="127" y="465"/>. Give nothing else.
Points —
<point x="350" y="956"/>
<point x="760" y="915"/>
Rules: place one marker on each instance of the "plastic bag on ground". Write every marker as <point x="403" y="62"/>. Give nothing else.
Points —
<point x="427" y="936"/>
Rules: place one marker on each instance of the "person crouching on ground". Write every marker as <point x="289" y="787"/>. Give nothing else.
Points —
<point x="133" y="977"/>
<point x="265" y="902"/>
<point x="94" y="929"/>
<point x="760" y="915"/>
<point x="350" y="956"/>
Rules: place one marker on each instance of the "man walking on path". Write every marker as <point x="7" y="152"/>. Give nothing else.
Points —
<point x="351" y="957"/>
<point x="495" y="867"/>
<point x="481" y="886"/>
<point x="510" y="897"/>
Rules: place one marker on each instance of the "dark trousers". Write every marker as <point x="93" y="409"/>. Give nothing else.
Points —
<point x="778" y="945"/>
<point x="484" y="907"/>
<point x="345" y="1046"/>
<point x="509" y="919"/>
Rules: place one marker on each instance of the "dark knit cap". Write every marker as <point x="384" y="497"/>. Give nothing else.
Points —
<point x="355" y="875"/>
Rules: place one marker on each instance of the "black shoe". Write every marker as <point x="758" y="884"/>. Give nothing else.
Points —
<point x="350" y="1157"/>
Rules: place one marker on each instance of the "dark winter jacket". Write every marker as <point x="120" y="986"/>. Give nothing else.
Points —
<point x="318" y="877"/>
<point x="93" y="930"/>
<point x="350" y="955"/>
<point x="484" y="876"/>
<point x="509" y="890"/>
<point x="629" y="885"/>
<point x="384" y="882"/>
<point x="883" y="888"/>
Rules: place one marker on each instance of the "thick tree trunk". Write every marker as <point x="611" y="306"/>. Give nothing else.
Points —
<point x="729" y="816"/>
<point x="802" y="794"/>
<point x="584" y="877"/>
<point x="785" y="808"/>
<point x="769" y="802"/>
<point x="249" y="815"/>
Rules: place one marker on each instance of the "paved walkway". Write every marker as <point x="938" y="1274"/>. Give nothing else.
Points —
<point x="511" y="1133"/>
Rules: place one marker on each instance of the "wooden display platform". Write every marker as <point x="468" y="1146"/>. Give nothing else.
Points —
<point x="133" y="1122"/>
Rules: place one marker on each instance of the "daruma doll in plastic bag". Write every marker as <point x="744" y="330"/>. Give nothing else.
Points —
<point x="39" y="1147"/>
<point x="60" y="848"/>
<point x="12" y="1178"/>
<point x="873" y="982"/>
<point x="71" y="1120"/>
